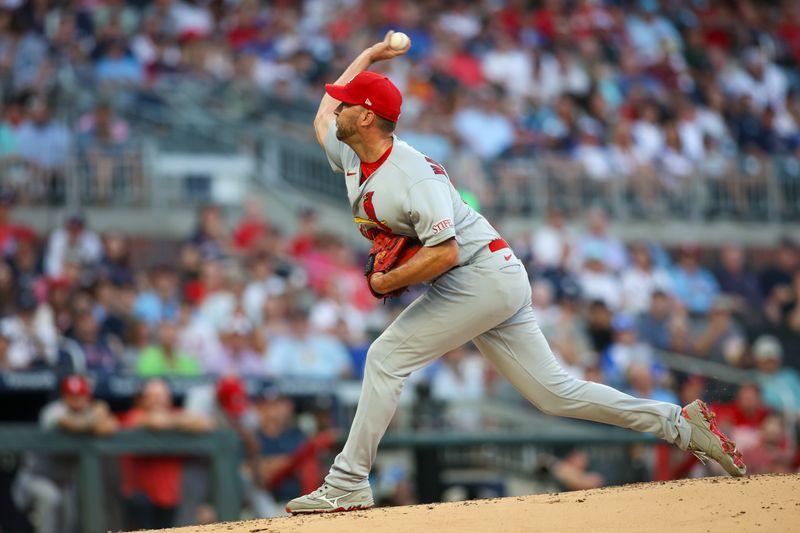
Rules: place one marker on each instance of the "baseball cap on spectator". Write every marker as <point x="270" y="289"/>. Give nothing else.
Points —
<point x="76" y="221"/>
<point x="270" y="394"/>
<point x="58" y="283"/>
<point x="767" y="347"/>
<point x="232" y="396"/>
<point x="75" y="385"/>
<point x="568" y="290"/>
<point x="372" y="91"/>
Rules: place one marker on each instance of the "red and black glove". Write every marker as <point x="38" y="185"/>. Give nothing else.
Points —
<point x="389" y="251"/>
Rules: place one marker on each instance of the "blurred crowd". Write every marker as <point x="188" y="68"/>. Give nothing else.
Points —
<point x="644" y="92"/>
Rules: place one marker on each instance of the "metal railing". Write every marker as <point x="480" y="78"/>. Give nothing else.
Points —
<point x="750" y="190"/>
<point x="765" y="190"/>
<point x="221" y="447"/>
<point x="95" y="176"/>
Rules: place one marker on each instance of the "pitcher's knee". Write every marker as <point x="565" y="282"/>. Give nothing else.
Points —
<point x="376" y="362"/>
<point x="556" y="399"/>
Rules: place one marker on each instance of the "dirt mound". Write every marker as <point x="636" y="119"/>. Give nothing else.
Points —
<point x="769" y="503"/>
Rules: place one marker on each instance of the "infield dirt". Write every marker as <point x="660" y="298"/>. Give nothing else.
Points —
<point x="768" y="503"/>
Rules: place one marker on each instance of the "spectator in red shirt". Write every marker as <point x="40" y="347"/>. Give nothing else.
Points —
<point x="252" y="229"/>
<point x="303" y="241"/>
<point x="151" y="485"/>
<point x="742" y="418"/>
<point x="773" y="451"/>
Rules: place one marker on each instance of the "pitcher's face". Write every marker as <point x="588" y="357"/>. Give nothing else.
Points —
<point x="346" y="117"/>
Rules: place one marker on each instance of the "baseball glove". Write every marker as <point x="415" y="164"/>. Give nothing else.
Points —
<point x="389" y="251"/>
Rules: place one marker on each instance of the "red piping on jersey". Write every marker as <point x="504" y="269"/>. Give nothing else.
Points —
<point x="367" y="169"/>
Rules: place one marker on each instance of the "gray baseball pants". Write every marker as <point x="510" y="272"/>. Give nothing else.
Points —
<point x="487" y="301"/>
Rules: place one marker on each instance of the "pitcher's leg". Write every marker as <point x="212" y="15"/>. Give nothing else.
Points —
<point x="520" y="352"/>
<point x="453" y="311"/>
<point x="380" y="392"/>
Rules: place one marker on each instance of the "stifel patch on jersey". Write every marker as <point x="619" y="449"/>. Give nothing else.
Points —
<point x="442" y="225"/>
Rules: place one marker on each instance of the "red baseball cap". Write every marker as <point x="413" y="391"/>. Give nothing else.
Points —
<point x="373" y="91"/>
<point x="232" y="396"/>
<point x="76" y="385"/>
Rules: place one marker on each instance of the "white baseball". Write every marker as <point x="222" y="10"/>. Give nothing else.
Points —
<point x="398" y="40"/>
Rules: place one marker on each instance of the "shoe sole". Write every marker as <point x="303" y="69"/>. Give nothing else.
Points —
<point x="327" y="511"/>
<point x="726" y="452"/>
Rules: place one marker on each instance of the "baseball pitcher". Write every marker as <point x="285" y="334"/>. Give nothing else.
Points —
<point x="479" y="291"/>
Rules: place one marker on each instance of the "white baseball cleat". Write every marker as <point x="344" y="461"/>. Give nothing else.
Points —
<point x="328" y="499"/>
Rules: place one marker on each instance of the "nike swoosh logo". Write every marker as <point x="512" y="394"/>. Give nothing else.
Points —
<point x="507" y="257"/>
<point x="351" y="174"/>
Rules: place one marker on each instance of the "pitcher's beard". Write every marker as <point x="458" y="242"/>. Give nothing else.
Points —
<point x="344" y="132"/>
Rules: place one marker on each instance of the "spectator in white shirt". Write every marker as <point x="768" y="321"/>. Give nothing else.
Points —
<point x="552" y="241"/>
<point x="304" y="354"/>
<point x="651" y="35"/>
<point x="460" y="378"/>
<point x="677" y="167"/>
<point x="224" y="284"/>
<point x="632" y="164"/>
<point x="641" y="280"/>
<point x="598" y="242"/>
<point x="597" y="282"/>
<point x="508" y="66"/>
<point x="763" y="81"/>
<point x="647" y="133"/>
<point x="545" y="83"/>
<point x="593" y="155"/>
<point x="76" y="240"/>
<point x="711" y="118"/>
<point x="264" y="283"/>
<point x="690" y="131"/>
<point x="485" y="127"/>
<point x="334" y="315"/>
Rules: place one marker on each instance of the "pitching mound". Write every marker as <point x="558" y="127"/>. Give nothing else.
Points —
<point x="769" y="503"/>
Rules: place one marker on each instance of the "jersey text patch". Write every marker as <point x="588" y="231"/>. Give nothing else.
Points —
<point x="442" y="225"/>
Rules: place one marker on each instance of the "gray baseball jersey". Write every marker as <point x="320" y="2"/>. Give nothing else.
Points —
<point x="487" y="300"/>
<point x="409" y="194"/>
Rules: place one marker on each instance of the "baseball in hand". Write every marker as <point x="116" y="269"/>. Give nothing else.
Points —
<point x="398" y="40"/>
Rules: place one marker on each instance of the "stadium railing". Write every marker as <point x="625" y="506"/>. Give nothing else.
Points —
<point x="152" y="174"/>
<point x="93" y="177"/>
<point x="764" y="190"/>
<point x="221" y="447"/>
